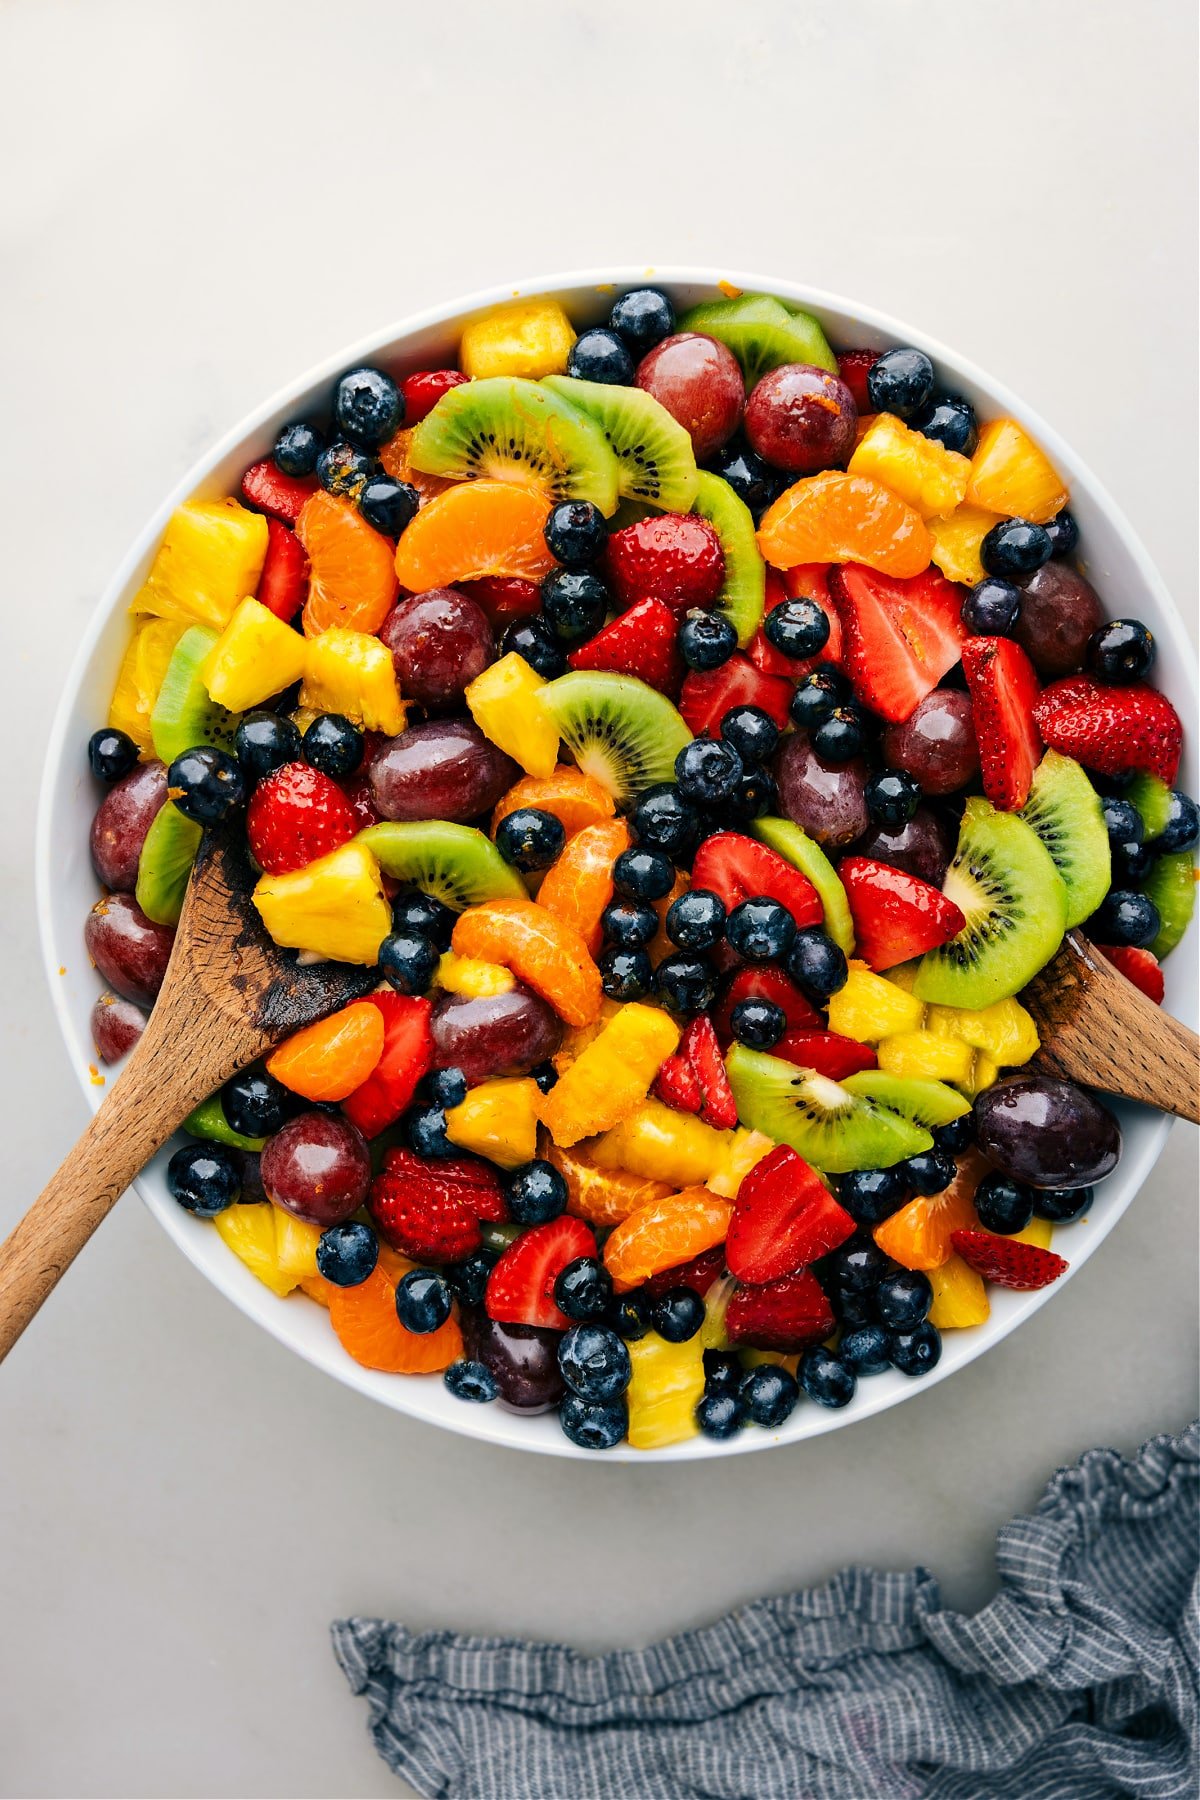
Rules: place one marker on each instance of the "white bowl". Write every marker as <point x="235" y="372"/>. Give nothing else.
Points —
<point x="67" y="888"/>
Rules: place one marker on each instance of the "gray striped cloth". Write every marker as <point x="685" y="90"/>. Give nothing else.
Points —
<point x="1077" y="1682"/>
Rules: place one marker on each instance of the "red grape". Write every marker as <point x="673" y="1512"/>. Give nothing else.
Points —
<point x="123" y="818"/>
<point x="802" y="419"/>
<point x="440" y="641"/>
<point x="936" y="744"/>
<point x="1048" y="1133"/>
<point x="700" y="384"/>
<point x="523" y="1359"/>
<point x="1059" y="612"/>
<point x="128" y="949"/>
<point x="116" y="1026"/>
<point x="825" y="799"/>
<point x="443" y="769"/>
<point x="921" y="847"/>
<point x="317" y="1168"/>
<point x="500" y="1034"/>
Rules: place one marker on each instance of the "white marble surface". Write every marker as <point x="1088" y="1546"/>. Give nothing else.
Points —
<point x="199" y="201"/>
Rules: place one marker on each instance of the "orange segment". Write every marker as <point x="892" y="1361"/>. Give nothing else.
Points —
<point x="542" y="950"/>
<point x="573" y="797"/>
<point x="664" y="1233"/>
<point x="660" y="944"/>
<point x="918" y="1236"/>
<point x="602" y="1196"/>
<point x="609" y="1079"/>
<point x="328" y="1060"/>
<point x="579" y="885"/>
<point x="475" y="528"/>
<point x="352" y="581"/>
<point x="395" y="459"/>
<point x="834" y="517"/>
<point x="364" y="1318"/>
<point x="318" y="1289"/>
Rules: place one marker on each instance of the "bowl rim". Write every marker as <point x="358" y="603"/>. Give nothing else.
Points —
<point x="490" y="1424"/>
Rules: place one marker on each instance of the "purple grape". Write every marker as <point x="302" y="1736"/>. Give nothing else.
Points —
<point x="936" y="745"/>
<point x="498" y="1034"/>
<point x="1046" y="1133"/>
<point x="443" y="769"/>
<point x="440" y="641"/>
<point x="827" y="800"/>
<point x="922" y="847"/>
<point x="130" y="951"/>
<point x="116" y="1026"/>
<point x="523" y="1359"/>
<point x="123" y="818"/>
<point x="317" y="1168"/>
<point x="801" y="419"/>
<point x="1059" y="612"/>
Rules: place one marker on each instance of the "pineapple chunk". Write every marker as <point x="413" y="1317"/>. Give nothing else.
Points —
<point x="1011" y="475"/>
<point x="1004" y="1030"/>
<point x="745" y="1149"/>
<point x="249" y="1231"/>
<point x="661" y="1144"/>
<point x="868" y="1007"/>
<point x="295" y="1245"/>
<point x="505" y="703"/>
<point x="1038" y="1232"/>
<point x="211" y="557"/>
<point x="498" y="1119"/>
<point x="983" y="1072"/>
<point x="141" y="675"/>
<point x="532" y="338"/>
<point x="666" y="1383"/>
<point x="351" y="672"/>
<point x="929" y="1058"/>
<point x="255" y="656"/>
<point x="956" y="541"/>
<point x="468" y="975"/>
<point x="959" y="1296"/>
<point x="334" y="907"/>
<point x="605" y="1083"/>
<point x="931" y="478"/>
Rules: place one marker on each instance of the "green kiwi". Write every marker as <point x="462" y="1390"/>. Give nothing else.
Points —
<point x="805" y="854"/>
<point x="623" y="733"/>
<point x="506" y="428"/>
<point x="744" y="589"/>
<point x="1171" y="884"/>
<point x="823" y="1121"/>
<point x="925" y="1103"/>
<point x="1064" y="809"/>
<point x="1015" y="902"/>
<point x="168" y="852"/>
<point x="208" y="1121"/>
<point x="453" y="863"/>
<point x="762" y="333"/>
<point x="183" y="714"/>
<point x="654" y="453"/>
<point x="1152" y="797"/>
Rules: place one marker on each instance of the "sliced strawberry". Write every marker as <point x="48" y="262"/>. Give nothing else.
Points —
<point x="826" y="1052"/>
<point x="283" y="584"/>
<point x="504" y="597"/>
<point x="677" y="1084"/>
<point x="423" y="390"/>
<point x="673" y="557"/>
<point x="700" y="1047"/>
<point x="1007" y="1261"/>
<point x="639" y="642"/>
<point x="407" y="1054"/>
<point x="765" y="984"/>
<point x="783" y="1315"/>
<point x="896" y="915"/>
<point x="784" y="1218"/>
<point x="707" y="698"/>
<point x="737" y="867"/>
<point x="1111" y="729"/>
<point x="810" y="580"/>
<point x="424" y="1209"/>
<point x="1004" y="688"/>
<point x="520" y="1289"/>
<point x="296" y="815"/>
<point x="900" y="636"/>
<point x="266" y="487"/>
<point x="699" y="1274"/>
<point x="1139" y="966"/>
<point x="854" y="366"/>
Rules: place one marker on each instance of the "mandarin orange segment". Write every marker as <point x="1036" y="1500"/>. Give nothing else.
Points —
<point x="318" y="1289"/>
<point x="575" y="799"/>
<point x="602" y="1196"/>
<point x="579" y="885"/>
<point x="834" y="517"/>
<point x="475" y="528"/>
<point x="364" y="1318"/>
<point x="611" y="1077"/>
<point x="542" y="950"/>
<point x="395" y="458"/>
<point x="352" y="582"/>
<point x="328" y="1060"/>
<point x="918" y="1236"/>
<point x="664" y="1233"/>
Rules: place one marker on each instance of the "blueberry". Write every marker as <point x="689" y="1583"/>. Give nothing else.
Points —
<point x="256" y="1104"/>
<point x="1120" y="651"/>
<point x="917" y="1351"/>
<point x="769" y="1395"/>
<point x="425" y="1129"/>
<point x="1014" y="547"/>
<point x="388" y="505"/>
<point x="903" y="1298"/>
<point x="1122" y="820"/>
<point x="708" y="771"/>
<point x="111" y="753"/>
<point x="407" y="961"/>
<point x="706" y="640"/>
<point x="840" y="737"/>
<point x="576" y="533"/>
<point x="678" y="1314"/>
<point x="696" y="920"/>
<point x="296" y="450"/>
<point x="593" y="1426"/>
<point x="825" y="1377"/>
<point x="1125" y="917"/>
<point x="346" y="1254"/>
<point x="759" y="1024"/>
<point x="1131" y="863"/>
<point x="797" y="628"/>
<point x="264" y="741"/>
<point x="1062" y="1206"/>
<point x="720" y="1414"/>
<point x="471" y="1381"/>
<point x="205" y="1178"/>
<point x="469" y="1278"/>
<point x="594" y="1362"/>
<point x="1003" y="1205"/>
<point x="929" y="1172"/>
<point x="536" y="1192"/>
<point x="423" y="1300"/>
<point x="955" y="1136"/>
<point x="626" y="974"/>
<point x="760" y="929"/>
<point x="643" y="317"/>
<point x="858" y="1266"/>
<point x="344" y="469"/>
<point x="853" y="1309"/>
<point x="368" y="407"/>
<point x="419" y="914"/>
<point x="206" y="784"/>
<point x="646" y="875"/>
<point x="663" y="820"/>
<point x="600" y="355"/>
<point x="754" y="481"/>
<point x="950" y="421"/>
<point x="816" y="697"/>
<point x="722" y="1371"/>
<point x="992" y="608"/>
<point x="900" y="382"/>
<point x="574" y="602"/>
<point x="536" y="643"/>
<point x="686" y="982"/>
<point x="866" y="1349"/>
<point x="817" y="964"/>
<point x="1063" y="533"/>
<point x="546" y="1077"/>
<point x="629" y="924"/>
<point x="583" y="1290"/>
<point x="872" y="1195"/>
<point x="756" y="793"/>
<point x="629" y="1316"/>
<point x="1182" y="828"/>
<point x="892" y="797"/>
<point x="530" y="838"/>
<point x="752" y="732"/>
<point x="444" y="1087"/>
<point x="333" y="745"/>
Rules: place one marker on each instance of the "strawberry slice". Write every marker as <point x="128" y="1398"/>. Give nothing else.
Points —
<point x="783" y="1315"/>
<point x="296" y="815"/>
<point x="676" y="557"/>
<point x="423" y="390"/>
<point x="271" y="491"/>
<point x="425" y="1209"/>
<point x="1111" y="729"/>
<point x="826" y="1052"/>
<point x="639" y="642"/>
<point x="737" y="868"/>
<point x="707" y="698"/>
<point x="896" y="915"/>
<point x="1007" y="1261"/>
<point x="520" y="1289"/>
<point x="765" y="984"/>
<point x="699" y="1274"/>
<point x="1004" y="690"/>
<point x="1139" y="966"/>
<point x="810" y="581"/>
<point x="283" y="584"/>
<point x="407" y="1054"/>
<point x="700" y="1050"/>
<point x="900" y="636"/>
<point x="677" y="1084"/>
<point x="854" y="366"/>
<point x="784" y="1218"/>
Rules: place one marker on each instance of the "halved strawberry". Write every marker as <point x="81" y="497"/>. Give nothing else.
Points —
<point x="1111" y="729"/>
<point x="677" y="1084"/>
<point x="810" y="581"/>
<point x="707" y="698"/>
<point x="423" y="390"/>
<point x="762" y="983"/>
<point x="675" y="557"/>
<point x="900" y="636"/>
<point x="283" y="584"/>
<point x="896" y="915"/>
<point x="1007" y="1261"/>
<point x="1004" y="688"/>
<point x="854" y="366"/>
<point x="504" y="597"/>
<point x="639" y="642"/>
<point x="520" y="1289"/>
<point x="826" y="1052"/>
<point x="425" y="1209"/>
<point x="699" y="1274"/>
<point x="784" y="1218"/>
<point x="268" y="488"/>
<point x="697" y="1069"/>
<point x="783" y="1315"/>
<point x="1139" y="966"/>
<point x="296" y="815"/>
<point x="738" y="868"/>
<point x="407" y="1053"/>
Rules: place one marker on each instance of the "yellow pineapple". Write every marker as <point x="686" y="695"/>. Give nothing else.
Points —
<point x="931" y="478"/>
<point x="352" y="673"/>
<point x="255" y="656"/>
<point x="249" y="1231"/>
<point x="498" y="1119"/>
<point x="505" y="703"/>
<point x="926" y="1056"/>
<point x="211" y="556"/>
<point x="141" y="675"/>
<point x="468" y="975"/>
<point x="744" y="1149"/>
<point x="666" y="1384"/>
<point x="335" y="907"/>
<point x="1010" y="474"/>
<point x="605" y="1083"/>
<point x="983" y="1072"/>
<point x="1004" y="1030"/>
<point x="295" y="1245"/>
<point x="531" y="338"/>
<point x="956" y="541"/>
<point x="660" y="1144"/>
<point x="959" y="1296"/>
<point x="869" y="1007"/>
<point x="1038" y="1232"/>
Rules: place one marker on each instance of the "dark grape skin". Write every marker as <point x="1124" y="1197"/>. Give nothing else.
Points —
<point x="522" y="1358"/>
<point x="922" y="847"/>
<point x="116" y="1026"/>
<point x="317" y="1167"/>
<point x="801" y="419"/>
<point x="442" y="769"/>
<point x="936" y="744"/>
<point x="130" y="951"/>
<point x="700" y="383"/>
<point x="827" y="800"/>
<point x="123" y="818"/>
<point x="1046" y="1133"/>
<point x="496" y="1034"/>
<point x="1059" y="612"/>
<point x="440" y="641"/>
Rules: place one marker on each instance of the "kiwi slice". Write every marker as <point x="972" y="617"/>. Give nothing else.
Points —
<point x="1015" y="902"/>
<point x="1152" y="797"/>
<point x="654" y="453"/>
<point x="455" y="864"/>
<point x="762" y="333"/>
<point x="925" y="1103"/>
<point x="509" y="429"/>
<point x="743" y="592"/>
<point x="805" y="854"/>
<point x="823" y="1121"/>
<point x="623" y="733"/>
<point x="183" y="715"/>
<point x="168" y="852"/>
<point x="1064" y="809"/>
<point x="208" y="1121"/>
<point x="1171" y="884"/>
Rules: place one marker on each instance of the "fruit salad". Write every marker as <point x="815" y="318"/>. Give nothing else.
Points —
<point x="705" y="734"/>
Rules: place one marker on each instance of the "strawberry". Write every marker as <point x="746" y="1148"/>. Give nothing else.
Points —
<point x="699" y="1274"/>
<point x="426" y="1210"/>
<point x="407" y="1053"/>
<point x="520" y="1289"/>
<point x="504" y="597"/>
<point x="854" y="366"/>
<point x="468" y="1178"/>
<point x="638" y="642"/>
<point x="765" y="984"/>
<point x="707" y="698"/>
<point x="784" y="1218"/>
<point x="673" y="557"/>
<point x="1004" y="691"/>
<point x="295" y="815"/>
<point x="694" y="1080"/>
<point x="1007" y="1261"/>
<point x="896" y="915"/>
<point x="900" y="636"/>
<point x="678" y="1085"/>
<point x="826" y="1052"/>
<point x="1111" y="729"/>
<point x="283" y="584"/>
<point x="1139" y="966"/>
<point x="737" y="868"/>
<point x="267" y="488"/>
<point x="423" y="390"/>
<point x="810" y="581"/>
<point x="783" y="1315"/>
